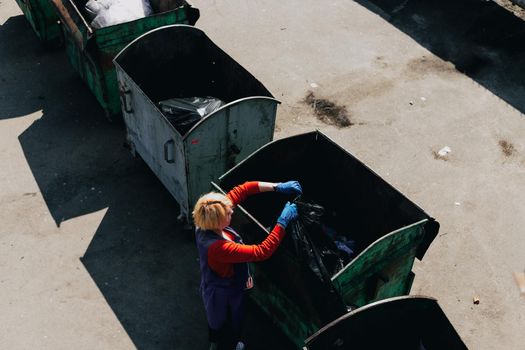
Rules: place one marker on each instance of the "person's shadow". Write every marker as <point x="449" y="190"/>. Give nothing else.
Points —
<point x="144" y="264"/>
<point x="482" y="39"/>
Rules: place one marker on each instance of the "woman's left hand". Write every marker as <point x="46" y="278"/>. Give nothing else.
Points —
<point x="290" y="187"/>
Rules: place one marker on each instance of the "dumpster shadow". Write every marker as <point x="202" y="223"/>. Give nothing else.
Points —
<point x="22" y="58"/>
<point x="142" y="262"/>
<point x="482" y="39"/>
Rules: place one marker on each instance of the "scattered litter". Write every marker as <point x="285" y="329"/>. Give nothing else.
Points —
<point x="411" y="103"/>
<point x="475" y="300"/>
<point x="314" y="85"/>
<point x="520" y="280"/>
<point x="457" y="203"/>
<point x="444" y="151"/>
<point x="185" y="112"/>
<point x="92" y="188"/>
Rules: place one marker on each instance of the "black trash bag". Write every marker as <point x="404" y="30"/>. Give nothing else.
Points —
<point x="183" y="113"/>
<point x="312" y="244"/>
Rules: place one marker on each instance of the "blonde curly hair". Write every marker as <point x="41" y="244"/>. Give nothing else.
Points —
<point x="211" y="210"/>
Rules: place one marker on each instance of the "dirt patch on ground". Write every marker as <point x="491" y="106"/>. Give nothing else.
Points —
<point x="420" y="66"/>
<point x="327" y="111"/>
<point x="507" y="148"/>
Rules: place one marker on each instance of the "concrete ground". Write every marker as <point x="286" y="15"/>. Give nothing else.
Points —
<point x="91" y="256"/>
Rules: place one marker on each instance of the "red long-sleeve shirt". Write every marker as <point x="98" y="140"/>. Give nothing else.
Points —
<point x="223" y="253"/>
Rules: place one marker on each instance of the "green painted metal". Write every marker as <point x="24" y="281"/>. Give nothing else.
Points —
<point x="381" y="270"/>
<point x="43" y="19"/>
<point x="91" y="51"/>
<point x="389" y="229"/>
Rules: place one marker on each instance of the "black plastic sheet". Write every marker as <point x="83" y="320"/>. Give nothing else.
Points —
<point x="325" y="251"/>
<point x="185" y="112"/>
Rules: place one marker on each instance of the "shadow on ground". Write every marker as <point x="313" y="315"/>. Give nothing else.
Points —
<point x="482" y="39"/>
<point x="143" y="263"/>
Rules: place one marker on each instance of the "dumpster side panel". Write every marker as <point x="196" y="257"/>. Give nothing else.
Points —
<point x="383" y="270"/>
<point x="88" y="69"/>
<point x="42" y="18"/>
<point x="224" y="138"/>
<point x="154" y="139"/>
<point x="292" y="296"/>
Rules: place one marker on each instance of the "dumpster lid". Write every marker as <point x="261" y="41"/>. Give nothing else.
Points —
<point x="408" y="322"/>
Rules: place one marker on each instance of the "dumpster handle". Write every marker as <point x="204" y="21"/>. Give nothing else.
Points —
<point x="167" y="158"/>
<point x="124" y="93"/>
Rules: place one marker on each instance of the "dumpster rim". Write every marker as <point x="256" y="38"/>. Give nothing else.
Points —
<point x="228" y="105"/>
<point x="150" y="32"/>
<point x="369" y="306"/>
<point x="391" y="233"/>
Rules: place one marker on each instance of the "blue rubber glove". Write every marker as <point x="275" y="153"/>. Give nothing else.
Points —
<point x="288" y="214"/>
<point x="290" y="187"/>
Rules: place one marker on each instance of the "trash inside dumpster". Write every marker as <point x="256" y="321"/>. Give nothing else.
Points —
<point x="152" y="73"/>
<point x="183" y="113"/>
<point x="105" y="13"/>
<point x="384" y="230"/>
<point x="91" y="50"/>
<point x="408" y="323"/>
<point x="43" y="19"/>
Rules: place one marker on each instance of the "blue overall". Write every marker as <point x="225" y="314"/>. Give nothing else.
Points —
<point x="223" y="296"/>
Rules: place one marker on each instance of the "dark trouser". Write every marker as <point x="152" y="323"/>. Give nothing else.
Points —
<point x="225" y="309"/>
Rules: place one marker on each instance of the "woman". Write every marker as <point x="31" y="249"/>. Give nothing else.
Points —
<point x="224" y="257"/>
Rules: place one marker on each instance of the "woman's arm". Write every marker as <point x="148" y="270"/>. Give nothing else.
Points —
<point x="239" y="193"/>
<point x="230" y="252"/>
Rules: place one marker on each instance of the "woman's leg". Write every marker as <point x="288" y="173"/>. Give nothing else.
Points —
<point x="238" y="313"/>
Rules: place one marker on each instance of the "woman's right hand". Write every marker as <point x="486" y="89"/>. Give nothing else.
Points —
<point x="288" y="214"/>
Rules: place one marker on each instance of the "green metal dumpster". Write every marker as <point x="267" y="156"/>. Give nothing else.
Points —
<point x="43" y="19"/>
<point x="388" y="229"/>
<point x="181" y="61"/>
<point x="91" y="51"/>
<point x="408" y="323"/>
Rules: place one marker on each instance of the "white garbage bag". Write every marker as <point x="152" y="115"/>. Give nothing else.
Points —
<point x="110" y="12"/>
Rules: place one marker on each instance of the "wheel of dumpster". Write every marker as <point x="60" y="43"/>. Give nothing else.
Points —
<point x="132" y="149"/>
